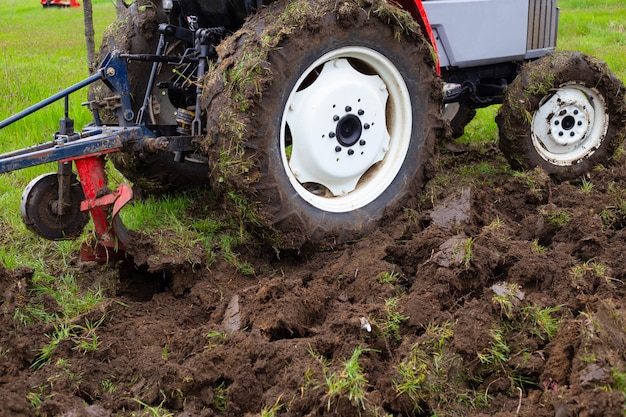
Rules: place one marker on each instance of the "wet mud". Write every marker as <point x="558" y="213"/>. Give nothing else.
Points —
<point x="507" y="296"/>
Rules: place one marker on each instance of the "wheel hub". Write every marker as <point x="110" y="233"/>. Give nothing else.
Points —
<point x="569" y="117"/>
<point x="569" y="125"/>
<point x="349" y="130"/>
<point x="338" y="127"/>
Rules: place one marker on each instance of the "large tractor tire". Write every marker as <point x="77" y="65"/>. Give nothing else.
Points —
<point x="331" y="126"/>
<point x="564" y="113"/>
<point x="135" y="31"/>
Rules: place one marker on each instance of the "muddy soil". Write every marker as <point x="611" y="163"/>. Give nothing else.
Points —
<point x="503" y="295"/>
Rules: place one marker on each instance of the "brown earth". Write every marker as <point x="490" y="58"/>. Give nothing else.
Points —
<point x="470" y="271"/>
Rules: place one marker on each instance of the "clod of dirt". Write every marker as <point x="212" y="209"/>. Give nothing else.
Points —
<point x="232" y="318"/>
<point x="451" y="252"/>
<point x="453" y="211"/>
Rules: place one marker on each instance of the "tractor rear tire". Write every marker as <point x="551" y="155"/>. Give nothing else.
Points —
<point x="564" y="113"/>
<point x="340" y="130"/>
<point x="135" y="31"/>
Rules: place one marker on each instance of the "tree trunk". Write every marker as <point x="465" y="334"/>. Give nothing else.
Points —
<point x="120" y="6"/>
<point x="89" y="36"/>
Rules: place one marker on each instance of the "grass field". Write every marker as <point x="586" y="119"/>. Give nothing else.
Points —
<point x="42" y="51"/>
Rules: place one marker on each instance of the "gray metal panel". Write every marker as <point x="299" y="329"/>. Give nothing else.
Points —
<point x="478" y="32"/>
<point x="542" y="24"/>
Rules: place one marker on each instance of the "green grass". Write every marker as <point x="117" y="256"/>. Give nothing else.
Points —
<point x="597" y="28"/>
<point x="42" y="51"/>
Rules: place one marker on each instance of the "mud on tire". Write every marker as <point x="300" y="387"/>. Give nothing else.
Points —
<point x="335" y="130"/>
<point x="564" y="113"/>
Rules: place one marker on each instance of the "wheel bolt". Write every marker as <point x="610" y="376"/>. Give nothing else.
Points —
<point x="361" y="112"/>
<point x="366" y="126"/>
<point x="350" y="151"/>
<point x="560" y="133"/>
<point x="575" y="111"/>
<point x="571" y="134"/>
<point x="337" y="148"/>
<point x="331" y="134"/>
<point x="336" y="118"/>
<point x="348" y="109"/>
<point x="556" y="122"/>
<point x="580" y="123"/>
<point x="362" y="142"/>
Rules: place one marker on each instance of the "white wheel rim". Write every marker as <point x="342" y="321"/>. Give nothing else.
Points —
<point x="345" y="134"/>
<point x="569" y="125"/>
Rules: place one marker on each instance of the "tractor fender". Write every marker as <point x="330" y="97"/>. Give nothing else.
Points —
<point x="416" y="9"/>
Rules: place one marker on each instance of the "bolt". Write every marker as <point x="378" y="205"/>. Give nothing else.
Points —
<point x="571" y="134"/>
<point x="348" y="109"/>
<point x="556" y="122"/>
<point x="331" y="134"/>
<point x="110" y="71"/>
<point x="337" y="148"/>
<point x="560" y="133"/>
<point x="366" y="126"/>
<point x="350" y="151"/>
<point x="336" y="118"/>
<point x="580" y="123"/>
<point x="362" y="142"/>
<point x="361" y="112"/>
<point x="575" y="111"/>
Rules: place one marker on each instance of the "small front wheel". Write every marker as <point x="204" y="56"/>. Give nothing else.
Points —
<point x="564" y="113"/>
<point x="40" y="208"/>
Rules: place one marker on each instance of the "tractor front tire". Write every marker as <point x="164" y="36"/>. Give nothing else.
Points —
<point x="341" y="125"/>
<point x="565" y="113"/>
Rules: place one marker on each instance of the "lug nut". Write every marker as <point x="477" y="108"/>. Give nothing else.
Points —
<point x="331" y="134"/>
<point x="361" y="112"/>
<point x="336" y="118"/>
<point x="350" y="151"/>
<point x="366" y="126"/>
<point x="348" y="109"/>
<point x="362" y="142"/>
<point x="337" y="148"/>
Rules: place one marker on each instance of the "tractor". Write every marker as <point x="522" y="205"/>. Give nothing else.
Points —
<point x="320" y="117"/>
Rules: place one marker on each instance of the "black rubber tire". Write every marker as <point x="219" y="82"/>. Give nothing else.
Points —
<point x="266" y="182"/>
<point x="135" y="31"/>
<point x="534" y="116"/>
<point x="37" y="209"/>
<point x="458" y="116"/>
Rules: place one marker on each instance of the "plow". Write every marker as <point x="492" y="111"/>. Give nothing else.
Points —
<point x="58" y="205"/>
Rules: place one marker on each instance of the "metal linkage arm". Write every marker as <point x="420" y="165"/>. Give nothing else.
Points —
<point x="106" y="140"/>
